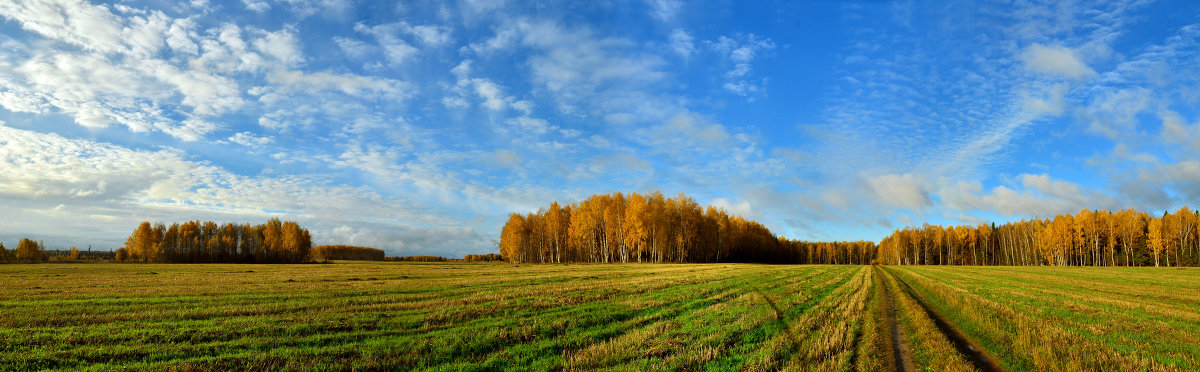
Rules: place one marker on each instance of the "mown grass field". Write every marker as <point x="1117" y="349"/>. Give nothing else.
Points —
<point x="464" y="316"/>
<point x="434" y="316"/>
<point x="1070" y="318"/>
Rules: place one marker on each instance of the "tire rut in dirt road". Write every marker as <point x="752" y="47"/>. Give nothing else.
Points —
<point x="900" y="349"/>
<point x="961" y="342"/>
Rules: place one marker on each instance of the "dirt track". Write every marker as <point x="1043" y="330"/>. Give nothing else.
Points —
<point x="900" y="349"/>
<point x="965" y="346"/>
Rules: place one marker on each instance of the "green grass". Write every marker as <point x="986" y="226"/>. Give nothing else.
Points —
<point x="1075" y="318"/>
<point x="487" y="316"/>
<point x="437" y="316"/>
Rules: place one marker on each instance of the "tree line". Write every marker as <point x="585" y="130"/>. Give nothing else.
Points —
<point x="27" y="251"/>
<point x="419" y="259"/>
<point x="195" y="242"/>
<point x="346" y="252"/>
<point x="652" y="228"/>
<point x="489" y="257"/>
<point x="1087" y="238"/>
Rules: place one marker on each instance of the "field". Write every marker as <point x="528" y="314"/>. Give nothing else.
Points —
<point x="464" y="316"/>
<point x="1081" y="318"/>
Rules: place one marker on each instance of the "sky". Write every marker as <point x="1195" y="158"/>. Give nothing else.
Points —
<point x="418" y="126"/>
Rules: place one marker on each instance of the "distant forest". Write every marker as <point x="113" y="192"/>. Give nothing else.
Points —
<point x="346" y="252"/>
<point x="489" y="257"/>
<point x="1088" y="238"/>
<point x="651" y="228"/>
<point x="194" y="241"/>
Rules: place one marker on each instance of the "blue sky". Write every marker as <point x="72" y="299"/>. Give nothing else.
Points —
<point x="416" y="127"/>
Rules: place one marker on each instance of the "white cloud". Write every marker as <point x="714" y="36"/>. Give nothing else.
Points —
<point x="691" y="129"/>
<point x="483" y="6"/>
<point x="250" y="140"/>
<point x="206" y="93"/>
<point x="257" y="6"/>
<point x="68" y="80"/>
<point x="396" y="50"/>
<point x="1051" y="103"/>
<point x="745" y="88"/>
<point x="1056" y="60"/>
<point x="41" y="166"/>
<point x="109" y="188"/>
<point x="665" y="10"/>
<point x="1113" y="114"/>
<point x="531" y="125"/>
<point x="115" y="72"/>
<point x="99" y="93"/>
<point x="431" y="35"/>
<point x="682" y="43"/>
<point x="493" y="99"/>
<point x="506" y="36"/>
<point x="507" y="158"/>
<point x="285" y="83"/>
<point x="741" y="209"/>
<point x="490" y="94"/>
<point x="579" y="69"/>
<point x="308" y="8"/>
<point x="741" y="54"/>
<point x="621" y="118"/>
<point x="192" y="129"/>
<point x="92" y="27"/>
<point x="144" y="35"/>
<point x="455" y="102"/>
<point x="1041" y="196"/>
<point x="352" y="47"/>
<point x="181" y="37"/>
<point x="1182" y="178"/>
<point x="227" y="52"/>
<point x="453" y="241"/>
<point x="621" y="165"/>
<point x="585" y="74"/>
<point x="282" y="45"/>
<point x="900" y="190"/>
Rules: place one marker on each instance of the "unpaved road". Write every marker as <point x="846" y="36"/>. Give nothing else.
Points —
<point x="900" y="349"/>
<point x="965" y="346"/>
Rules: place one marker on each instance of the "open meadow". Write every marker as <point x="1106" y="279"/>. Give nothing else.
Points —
<point x="455" y="316"/>
<point x="1069" y="318"/>
<point x="441" y="316"/>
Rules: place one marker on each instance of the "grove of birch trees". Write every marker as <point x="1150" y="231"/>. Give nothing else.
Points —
<point x="652" y="228"/>
<point x="194" y="241"/>
<point x="1087" y="238"/>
